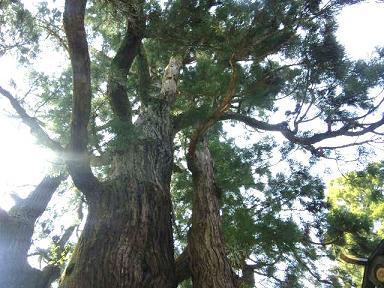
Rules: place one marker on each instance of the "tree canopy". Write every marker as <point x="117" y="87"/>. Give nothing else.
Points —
<point x="140" y="113"/>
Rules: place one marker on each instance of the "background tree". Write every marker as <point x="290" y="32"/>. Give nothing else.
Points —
<point x="355" y="218"/>
<point x="171" y="74"/>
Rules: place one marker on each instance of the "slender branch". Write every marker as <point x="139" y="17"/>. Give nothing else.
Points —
<point x="347" y="145"/>
<point x="54" y="32"/>
<point x="221" y="109"/>
<point x="306" y="142"/>
<point x="310" y="271"/>
<point x="32" y="123"/>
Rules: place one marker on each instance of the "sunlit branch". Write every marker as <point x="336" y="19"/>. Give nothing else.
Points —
<point x="34" y="205"/>
<point x="32" y="123"/>
<point x="17" y="227"/>
<point x="353" y="260"/>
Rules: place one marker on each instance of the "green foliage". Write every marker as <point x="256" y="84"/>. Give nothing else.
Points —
<point x="19" y="32"/>
<point x="54" y="103"/>
<point x="195" y="86"/>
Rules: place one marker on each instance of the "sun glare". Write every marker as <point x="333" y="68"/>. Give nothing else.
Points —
<point x="360" y="28"/>
<point x="25" y="163"/>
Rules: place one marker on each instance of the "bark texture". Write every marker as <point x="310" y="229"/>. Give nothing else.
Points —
<point x="127" y="240"/>
<point x="16" y="229"/>
<point x="208" y="261"/>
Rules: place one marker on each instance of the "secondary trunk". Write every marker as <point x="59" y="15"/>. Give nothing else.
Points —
<point x="16" y="229"/>
<point x="208" y="262"/>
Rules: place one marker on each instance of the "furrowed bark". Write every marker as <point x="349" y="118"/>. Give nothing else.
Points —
<point x="208" y="262"/>
<point x="127" y="239"/>
<point x="78" y="160"/>
<point x="16" y="229"/>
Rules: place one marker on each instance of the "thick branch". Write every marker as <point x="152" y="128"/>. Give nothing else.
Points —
<point x="206" y="247"/>
<point x="78" y="49"/>
<point x="35" y="204"/>
<point x="16" y="230"/>
<point x="78" y="160"/>
<point x="49" y="274"/>
<point x="144" y="77"/>
<point x="32" y="123"/>
<point x="122" y="62"/>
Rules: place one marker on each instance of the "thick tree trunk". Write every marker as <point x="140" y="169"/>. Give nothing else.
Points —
<point x="127" y="240"/>
<point x="208" y="261"/>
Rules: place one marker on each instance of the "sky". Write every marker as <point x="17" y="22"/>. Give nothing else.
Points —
<point x="23" y="163"/>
